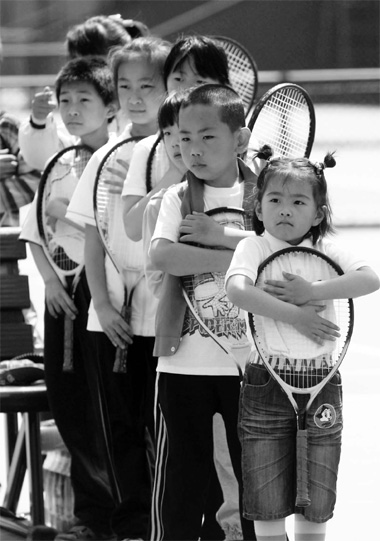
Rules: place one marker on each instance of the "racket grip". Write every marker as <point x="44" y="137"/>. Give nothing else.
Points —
<point x="302" y="499"/>
<point x="120" y="364"/>
<point x="68" y="365"/>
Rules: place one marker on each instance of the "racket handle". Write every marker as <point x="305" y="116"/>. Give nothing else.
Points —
<point x="302" y="499"/>
<point x="120" y="364"/>
<point x="68" y="365"/>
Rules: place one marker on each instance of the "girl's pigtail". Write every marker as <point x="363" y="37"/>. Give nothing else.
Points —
<point x="328" y="161"/>
<point x="264" y="153"/>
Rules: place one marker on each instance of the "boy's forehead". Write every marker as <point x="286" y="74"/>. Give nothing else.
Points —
<point x="200" y="114"/>
<point x="78" y="86"/>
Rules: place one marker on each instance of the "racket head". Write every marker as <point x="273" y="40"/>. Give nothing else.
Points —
<point x="62" y="243"/>
<point x="108" y="205"/>
<point x="284" y="119"/>
<point x="297" y="362"/>
<point x="242" y="70"/>
<point x="206" y="291"/>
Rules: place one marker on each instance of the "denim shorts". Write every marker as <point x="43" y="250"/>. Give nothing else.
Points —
<point x="267" y="431"/>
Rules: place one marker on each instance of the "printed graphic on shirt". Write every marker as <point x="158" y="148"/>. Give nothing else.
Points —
<point x="208" y="296"/>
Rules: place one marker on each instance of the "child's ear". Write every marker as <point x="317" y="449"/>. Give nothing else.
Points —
<point x="112" y="109"/>
<point x="243" y="140"/>
<point x="258" y="212"/>
<point x="320" y="214"/>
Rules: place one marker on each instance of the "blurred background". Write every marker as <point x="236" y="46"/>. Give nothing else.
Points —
<point x="331" y="48"/>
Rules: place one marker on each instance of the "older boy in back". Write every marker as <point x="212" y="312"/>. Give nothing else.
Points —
<point x="85" y="93"/>
<point x="196" y="378"/>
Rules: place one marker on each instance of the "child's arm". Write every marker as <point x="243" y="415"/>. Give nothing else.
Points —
<point x="57" y="299"/>
<point x="200" y="228"/>
<point x="39" y="139"/>
<point x="114" y="326"/>
<point x="134" y="206"/>
<point x="296" y="290"/>
<point x="181" y="259"/>
<point x="242" y="292"/>
<point x="56" y="210"/>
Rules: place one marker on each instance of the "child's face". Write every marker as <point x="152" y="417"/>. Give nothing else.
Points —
<point x="82" y="109"/>
<point x="288" y="211"/>
<point x="140" y="92"/>
<point x="209" y="149"/>
<point x="171" y="142"/>
<point x="186" y="76"/>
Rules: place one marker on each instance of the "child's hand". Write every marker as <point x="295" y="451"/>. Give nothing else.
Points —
<point x="174" y="175"/>
<point x="8" y="164"/>
<point x="294" y="289"/>
<point x="56" y="210"/>
<point x="315" y="327"/>
<point x="43" y="104"/>
<point x="116" y="182"/>
<point x="200" y="228"/>
<point x="58" y="301"/>
<point x="114" y="326"/>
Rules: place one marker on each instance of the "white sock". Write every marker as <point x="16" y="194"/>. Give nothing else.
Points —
<point x="270" y="530"/>
<point x="304" y="530"/>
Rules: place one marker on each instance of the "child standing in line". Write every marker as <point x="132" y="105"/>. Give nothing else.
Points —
<point x="40" y="137"/>
<point x="85" y="94"/>
<point x="192" y="61"/>
<point x="138" y="75"/>
<point x="291" y="209"/>
<point x="196" y="378"/>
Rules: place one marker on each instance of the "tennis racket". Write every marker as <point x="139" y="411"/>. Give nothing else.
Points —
<point x="63" y="240"/>
<point x="242" y="70"/>
<point x="284" y="119"/>
<point x="210" y="311"/>
<point x="109" y="222"/>
<point x="298" y="364"/>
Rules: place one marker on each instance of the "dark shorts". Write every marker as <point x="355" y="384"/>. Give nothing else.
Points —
<point x="267" y="431"/>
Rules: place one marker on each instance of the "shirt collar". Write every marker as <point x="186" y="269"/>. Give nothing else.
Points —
<point x="276" y="244"/>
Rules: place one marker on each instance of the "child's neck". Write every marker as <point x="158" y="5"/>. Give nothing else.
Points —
<point x="144" y="130"/>
<point x="95" y="140"/>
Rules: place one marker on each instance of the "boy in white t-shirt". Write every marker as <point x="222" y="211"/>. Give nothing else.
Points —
<point x="196" y="378"/>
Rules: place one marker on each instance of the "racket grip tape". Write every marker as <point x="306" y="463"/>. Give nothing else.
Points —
<point x="302" y="499"/>
<point x="68" y="341"/>
<point x="120" y="364"/>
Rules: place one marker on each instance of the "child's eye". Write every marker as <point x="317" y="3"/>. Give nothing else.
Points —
<point x="208" y="137"/>
<point x="185" y="139"/>
<point x="166" y="133"/>
<point x="298" y="202"/>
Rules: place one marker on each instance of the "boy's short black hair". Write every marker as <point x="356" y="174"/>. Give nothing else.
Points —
<point x="228" y="102"/>
<point x="169" y="109"/>
<point x="209" y="58"/>
<point x="89" y="69"/>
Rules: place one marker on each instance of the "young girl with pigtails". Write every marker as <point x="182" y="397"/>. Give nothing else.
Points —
<point x="291" y="208"/>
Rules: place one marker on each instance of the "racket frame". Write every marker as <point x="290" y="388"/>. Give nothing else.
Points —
<point x="120" y="364"/>
<point x="227" y="43"/>
<point x="225" y="345"/>
<point x="278" y="89"/>
<point x="63" y="274"/>
<point x="302" y="499"/>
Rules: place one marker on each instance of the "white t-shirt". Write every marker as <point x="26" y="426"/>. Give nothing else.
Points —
<point x="252" y="251"/>
<point x="81" y="210"/>
<point x="135" y="183"/>
<point x="198" y="353"/>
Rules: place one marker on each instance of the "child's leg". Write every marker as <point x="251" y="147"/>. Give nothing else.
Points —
<point x="270" y="530"/>
<point x="228" y="389"/>
<point x="228" y="515"/>
<point x="304" y="530"/>
<point x="184" y="456"/>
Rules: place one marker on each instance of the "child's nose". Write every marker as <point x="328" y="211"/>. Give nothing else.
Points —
<point x="285" y="211"/>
